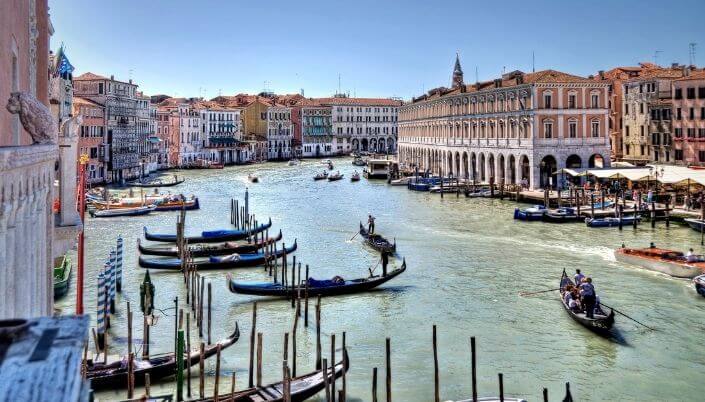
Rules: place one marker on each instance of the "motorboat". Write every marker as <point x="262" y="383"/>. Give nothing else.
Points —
<point x="534" y="213"/>
<point x="669" y="262"/>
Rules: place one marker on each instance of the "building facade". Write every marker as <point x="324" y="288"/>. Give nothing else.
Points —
<point x="316" y="130"/>
<point x="688" y="118"/>
<point x="222" y="133"/>
<point x="522" y="127"/>
<point x="190" y="139"/>
<point x="363" y="124"/>
<point x="92" y="141"/>
<point x="280" y="133"/>
<point x="127" y="142"/>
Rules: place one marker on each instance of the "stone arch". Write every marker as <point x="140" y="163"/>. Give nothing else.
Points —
<point x="464" y="162"/>
<point x="547" y="167"/>
<point x="511" y="168"/>
<point x="501" y="167"/>
<point x="596" y="161"/>
<point x="457" y="170"/>
<point x="356" y="144"/>
<point x="381" y="145"/>
<point x="573" y="162"/>
<point x="373" y="144"/>
<point x="525" y="170"/>
<point x="473" y="166"/>
<point x="492" y="169"/>
<point x="483" y="177"/>
<point x="390" y="144"/>
<point x="363" y="144"/>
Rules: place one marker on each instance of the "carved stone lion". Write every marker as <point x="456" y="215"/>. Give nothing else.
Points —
<point x="35" y="117"/>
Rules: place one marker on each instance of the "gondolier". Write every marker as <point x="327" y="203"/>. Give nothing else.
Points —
<point x="370" y="224"/>
<point x="587" y="293"/>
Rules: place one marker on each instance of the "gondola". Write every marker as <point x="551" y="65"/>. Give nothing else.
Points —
<point x="603" y="320"/>
<point x="112" y="213"/>
<point x="209" y="236"/>
<point x="610" y="222"/>
<point x="321" y="176"/>
<point x="699" y="282"/>
<point x="335" y="176"/>
<point x="215" y="262"/>
<point x="156" y="183"/>
<point x="315" y="287"/>
<point x="205" y="250"/>
<point x="377" y="242"/>
<point x="114" y="375"/>
<point x="302" y="388"/>
<point x="695" y="224"/>
<point x="561" y="215"/>
<point x="355" y="176"/>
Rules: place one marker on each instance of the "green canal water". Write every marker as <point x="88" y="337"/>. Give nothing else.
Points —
<point x="467" y="261"/>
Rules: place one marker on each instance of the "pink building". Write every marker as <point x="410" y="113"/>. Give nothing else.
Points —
<point x="688" y="115"/>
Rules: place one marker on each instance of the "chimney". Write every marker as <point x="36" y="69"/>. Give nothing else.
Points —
<point x="498" y="83"/>
<point x="520" y="79"/>
<point x="602" y="74"/>
<point x="130" y="80"/>
<point x="685" y="70"/>
<point x="674" y="65"/>
<point x="112" y="77"/>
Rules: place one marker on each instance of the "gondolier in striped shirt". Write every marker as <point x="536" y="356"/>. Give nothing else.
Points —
<point x="587" y="293"/>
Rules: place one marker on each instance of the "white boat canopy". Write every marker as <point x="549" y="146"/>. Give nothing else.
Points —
<point x="665" y="174"/>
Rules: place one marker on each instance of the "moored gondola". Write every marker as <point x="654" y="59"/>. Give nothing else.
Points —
<point x="302" y="387"/>
<point x="315" y="288"/>
<point x="205" y="250"/>
<point x="118" y="212"/>
<point x="377" y="242"/>
<point x="603" y="317"/>
<point x="155" y="183"/>
<point x="210" y="236"/>
<point x="611" y="222"/>
<point x="114" y="375"/>
<point x="215" y="262"/>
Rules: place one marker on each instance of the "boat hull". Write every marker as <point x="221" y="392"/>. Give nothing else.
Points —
<point x="610" y="222"/>
<point x="699" y="282"/>
<point x="524" y="215"/>
<point x="217" y="236"/>
<point x="601" y="324"/>
<point x="675" y="269"/>
<point x="200" y="250"/>
<point x="245" y="261"/>
<point x="114" y="213"/>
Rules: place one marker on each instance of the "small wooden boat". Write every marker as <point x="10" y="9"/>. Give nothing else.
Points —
<point x="669" y="262"/>
<point x="335" y="176"/>
<point x="293" y="162"/>
<point x="207" y="249"/>
<point x="133" y="211"/>
<point x="359" y="162"/>
<point x="479" y="193"/>
<point x="326" y="162"/>
<point x="62" y="276"/>
<point x="156" y="183"/>
<point x="321" y="176"/>
<point x="209" y="236"/>
<point x="114" y="375"/>
<point x="177" y="204"/>
<point x="561" y="215"/>
<point x="163" y="203"/>
<point x="611" y="222"/>
<point x="315" y="287"/>
<point x="355" y="176"/>
<point x="302" y="388"/>
<point x="695" y="224"/>
<point x="377" y="242"/>
<point x="699" y="282"/>
<point x="418" y="186"/>
<point x="602" y="321"/>
<point x="534" y="213"/>
<point x="252" y="178"/>
<point x="215" y="262"/>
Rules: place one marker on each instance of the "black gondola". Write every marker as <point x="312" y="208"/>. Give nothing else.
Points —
<point x="210" y="236"/>
<point x="156" y="183"/>
<point x="603" y="321"/>
<point x="114" y="375"/>
<point x="561" y="215"/>
<point x="315" y="287"/>
<point x="378" y="242"/>
<point x="215" y="262"/>
<point x="205" y="250"/>
<point x="302" y="388"/>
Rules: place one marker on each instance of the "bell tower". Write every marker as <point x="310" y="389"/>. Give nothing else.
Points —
<point x="457" y="73"/>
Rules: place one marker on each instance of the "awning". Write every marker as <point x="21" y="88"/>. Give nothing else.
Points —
<point x="570" y="172"/>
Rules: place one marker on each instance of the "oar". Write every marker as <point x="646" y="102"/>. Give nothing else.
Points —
<point x="354" y="236"/>
<point x="534" y="293"/>
<point x="619" y="312"/>
<point x="372" y="271"/>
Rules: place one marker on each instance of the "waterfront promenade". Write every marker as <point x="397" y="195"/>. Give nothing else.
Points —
<point x="467" y="261"/>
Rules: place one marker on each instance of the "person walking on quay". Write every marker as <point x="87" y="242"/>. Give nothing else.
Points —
<point x="385" y="261"/>
<point x="370" y="224"/>
<point x="587" y="293"/>
<point x="649" y="196"/>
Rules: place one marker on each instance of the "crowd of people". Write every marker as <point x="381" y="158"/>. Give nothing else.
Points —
<point x="581" y="296"/>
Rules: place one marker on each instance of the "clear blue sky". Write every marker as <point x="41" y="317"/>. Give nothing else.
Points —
<point x="379" y="48"/>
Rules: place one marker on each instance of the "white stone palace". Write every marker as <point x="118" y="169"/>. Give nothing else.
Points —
<point x="522" y="126"/>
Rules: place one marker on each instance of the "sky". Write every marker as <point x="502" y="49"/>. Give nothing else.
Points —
<point x="374" y="48"/>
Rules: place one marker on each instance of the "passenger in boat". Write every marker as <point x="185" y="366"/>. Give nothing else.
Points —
<point x="690" y="256"/>
<point x="587" y="295"/>
<point x="370" y="224"/>
<point x="578" y="277"/>
<point x="338" y="279"/>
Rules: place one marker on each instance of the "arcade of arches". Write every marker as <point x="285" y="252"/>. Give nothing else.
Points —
<point x="502" y="165"/>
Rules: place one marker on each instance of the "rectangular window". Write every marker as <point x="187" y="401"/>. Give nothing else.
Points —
<point x="547" y="101"/>
<point x="678" y="154"/>
<point x="595" y="101"/>
<point x="691" y="113"/>
<point x="701" y="156"/>
<point x="573" y="129"/>
<point x="691" y="133"/>
<point x="641" y="108"/>
<point x="627" y="131"/>
<point x="678" y="113"/>
<point x="690" y="93"/>
<point x="641" y="129"/>
<point x="678" y="94"/>
<point x="701" y="133"/>
<point x="701" y="92"/>
<point x="678" y="132"/>
<point x="571" y="101"/>
<point x="595" y="129"/>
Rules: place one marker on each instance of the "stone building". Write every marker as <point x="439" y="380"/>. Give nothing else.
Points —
<point x="518" y="127"/>
<point x="222" y="133"/>
<point x="646" y="110"/>
<point x="92" y="141"/>
<point x="191" y="144"/>
<point x="363" y="124"/>
<point x="126" y="142"/>
<point x="280" y="132"/>
<point x="37" y="218"/>
<point x="688" y="118"/>
<point x="316" y="127"/>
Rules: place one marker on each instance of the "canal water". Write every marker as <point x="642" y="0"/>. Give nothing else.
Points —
<point x="467" y="261"/>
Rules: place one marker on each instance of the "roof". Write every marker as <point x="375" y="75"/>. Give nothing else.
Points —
<point x="89" y="77"/>
<point x="359" y="101"/>
<point x="694" y="75"/>
<point x="77" y="100"/>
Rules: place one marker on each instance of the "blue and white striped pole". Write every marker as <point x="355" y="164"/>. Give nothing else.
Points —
<point x="111" y="281"/>
<point x="118" y="263"/>
<point x="100" y="311"/>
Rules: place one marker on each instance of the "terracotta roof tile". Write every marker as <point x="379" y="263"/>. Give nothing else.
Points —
<point x="359" y="101"/>
<point x="89" y="77"/>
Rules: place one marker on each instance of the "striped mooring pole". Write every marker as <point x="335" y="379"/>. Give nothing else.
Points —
<point x="110" y="266"/>
<point x="100" y="311"/>
<point x="118" y="263"/>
